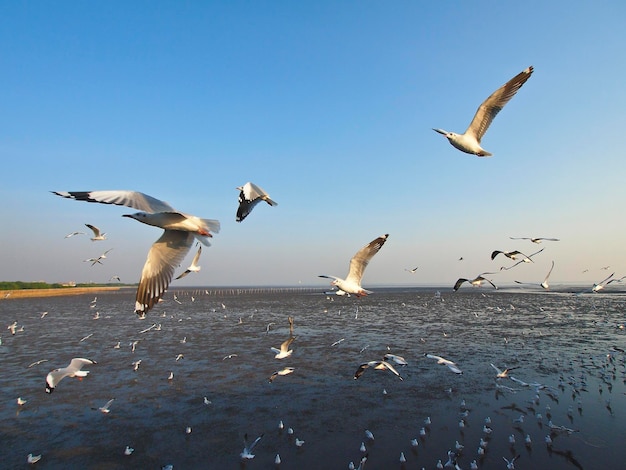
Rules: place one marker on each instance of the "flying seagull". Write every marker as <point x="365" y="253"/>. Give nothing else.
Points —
<point x="502" y="374"/>
<point x="97" y="235"/>
<point x="168" y="251"/>
<point x="194" y="267"/>
<point x="284" y="350"/>
<point x="285" y="371"/>
<point x="72" y="370"/>
<point x="440" y="360"/>
<point x="510" y="254"/>
<point x="535" y="240"/>
<point x="476" y="282"/>
<point x="95" y="261"/>
<point x="469" y="142"/>
<point x="544" y="284"/>
<point x="69" y="235"/>
<point x="250" y="195"/>
<point x="527" y="259"/>
<point x="246" y="453"/>
<point x="352" y="283"/>
<point x="600" y="285"/>
<point x="378" y="365"/>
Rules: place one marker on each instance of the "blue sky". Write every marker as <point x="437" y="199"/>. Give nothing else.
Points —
<point x="328" y="106"/>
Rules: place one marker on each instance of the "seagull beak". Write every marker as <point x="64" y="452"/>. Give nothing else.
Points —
<point x="441" y="131"/>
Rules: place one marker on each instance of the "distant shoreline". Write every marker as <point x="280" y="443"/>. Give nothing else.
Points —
<point x="30" y="293"/>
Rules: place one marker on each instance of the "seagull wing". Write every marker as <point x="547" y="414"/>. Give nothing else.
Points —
<point x="133" y="199"/>
<point x="94" y="229"/>
<point x="361" y="369"/>
<point x="545" y="281"/>
<point x="458" y="283"/>
<point x="284" y="347"/>
<point x="361" y="259"/>
<point x="488" y="110"/>
<point x="164" y="255"/>
<point x="77" y="364"/>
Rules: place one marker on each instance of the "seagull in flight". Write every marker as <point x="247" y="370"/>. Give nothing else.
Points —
<point x="284" y="350"/>
<point x="250" y="195"/>
<point x="545" y="283"/>
<point x="352" y="283"/>
<point x="106" y="407"/>
<point x="469" y="142"/>
<point x="72" y="370"/>
<point x="476" y="282"/>
<point x="502" y="374"/>
<point x="412" y="271"/>
<point x="97" y="235"/>
<point x="285" y="371"/>
<point x="535" y="240"/>
<point x="95" y="261"/>
<point x="510" y="254"/>
<point x="440" y="360"/>
<point x="378" y="365"/>
<point x="246" y="453"/>
<point x="194" y="267"/>
<point x="69" y="235"/>
<point x="179" y="232"/>
<point x="527" y="259"/>
<point x="397" y="359"/>
<point x="600" y="285"/>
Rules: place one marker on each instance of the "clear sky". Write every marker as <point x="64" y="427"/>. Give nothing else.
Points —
<point x="329" y="107"/>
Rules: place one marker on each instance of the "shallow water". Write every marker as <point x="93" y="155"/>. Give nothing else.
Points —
<point x="563" y="341"/>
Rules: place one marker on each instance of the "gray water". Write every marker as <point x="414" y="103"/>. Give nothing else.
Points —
<point x="569" y="343"/>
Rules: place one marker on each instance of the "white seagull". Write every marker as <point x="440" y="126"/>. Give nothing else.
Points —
<point x="69" y="235"/>
<point x="476" y="282"/>
<point x="440" y="360"/>
<point x="95" y="261"/>
<point x="97" y="235"/>
<point x="502" y="374"/>
<point x="168" y="251"/>
<point x="535" y="240"/>
<point x="250" y="195"/>
<point x="106" y="407"/>
<point x="469" y="142"/>
<point x="600" y="285"/>
<point x="527" y="259"/>
<point x="397" y="359"/>
<point x="285" y="371"/>
<point x="246" y="453"/>
<point x="352" y="283"/>
<point x="194" y="267"/>
<point x="284" y="350"/>
<point x="511" y="254"/>
<point x="544" y="284"/>
<point x="72" y="370"/>
<point x="378" y="365"/>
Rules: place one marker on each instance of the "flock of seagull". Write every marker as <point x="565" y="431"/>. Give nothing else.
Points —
<point x="181" y="230"/>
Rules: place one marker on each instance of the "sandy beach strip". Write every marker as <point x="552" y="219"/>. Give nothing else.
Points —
<point x="30" y="293"/>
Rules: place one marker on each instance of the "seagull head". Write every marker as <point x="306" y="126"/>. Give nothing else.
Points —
<point x="140" y="216"/>
<point x="444" y="132"/>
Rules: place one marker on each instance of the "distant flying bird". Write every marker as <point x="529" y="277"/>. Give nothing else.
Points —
<point x="106" y="407"/>
<point x="397" y="359"/>
<point x="95" y="261"/>
<point x="502" y="374"/>
<point x="30" y="458"/>
<point x="378" y="365"/>
<point x="115" y="278"/>
<point x="72" y="370"/>
<point x="469" y="142"/>
<point x="246" y="453"/>
<point x="284" y="350"/>
<point x="168" y="251"/>
<point x="527" y="259"/>
<point x="600" y="285"/>
<point x="440" y="360"/>
<point x="285" y="371"/>
<point x="74" y="233"/>
<point x="412" y="271"/>
<point x="510" y="254"/>
<point x="97" y="235"/>
<point x="476" y="282"/>
<point x="544" y="284"/>
<point x="250" y="195"/>
<point x="352" y="283"/>
<point x="535" y="240"/>
<point x="194" y="267"/>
